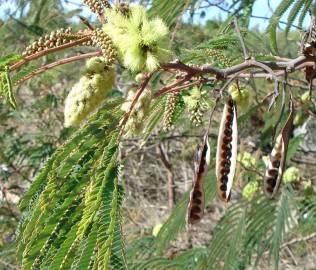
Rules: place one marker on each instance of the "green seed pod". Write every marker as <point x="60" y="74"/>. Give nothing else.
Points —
<point x="89" y="92"/>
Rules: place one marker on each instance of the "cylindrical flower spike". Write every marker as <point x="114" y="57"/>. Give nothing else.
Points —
<point x="89" y="92"/>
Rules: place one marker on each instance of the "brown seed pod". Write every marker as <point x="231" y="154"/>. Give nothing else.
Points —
<point x="196" y="203"/>
<point x="275" y="168"/>
<point x="226" y="154"/>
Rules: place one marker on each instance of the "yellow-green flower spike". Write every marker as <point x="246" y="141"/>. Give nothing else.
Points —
<point x="142" y="43"/>
<point x="87" y="94"/>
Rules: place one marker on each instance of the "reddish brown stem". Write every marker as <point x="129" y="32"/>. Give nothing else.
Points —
<point x="58" y="63"/>
<point x="134" y="101"/>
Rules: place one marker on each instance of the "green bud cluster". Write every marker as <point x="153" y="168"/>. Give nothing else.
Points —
<point x="170" y="107"/>
<point x="54" y="39"/>
<point x="103" y="41"/>
<point x="305" y="98"/>
<point x="86" y="95"/>
<point x="291" y="174"/>
<point x="246" y="159"/>
<point x="97" y="6"/>
<point x="241" y="95"/>
<point x="141" y="110"/>
<point x="250" y="189"/>
<point x="218" y="56"/>
<point x="141" y="42"/>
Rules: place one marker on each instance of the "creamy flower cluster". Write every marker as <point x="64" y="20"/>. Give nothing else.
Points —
<point x="87" y="94"/>
<point x="141" y="43"/>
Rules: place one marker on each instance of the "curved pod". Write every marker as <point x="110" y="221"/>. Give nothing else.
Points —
<point x="275" y="168"/>
<point x="196" y="203"/>
<point x="226" y="154"/>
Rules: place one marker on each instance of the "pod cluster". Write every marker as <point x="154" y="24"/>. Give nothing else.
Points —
<point x="196" y="203"/>
<point x="276" y="164"/>
<point x="226" y="150"/>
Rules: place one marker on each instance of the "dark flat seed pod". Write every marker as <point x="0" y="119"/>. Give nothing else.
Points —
<point x="226" y="151"/>
<point x="275" y="169"/>
<point x="196" y="203"/>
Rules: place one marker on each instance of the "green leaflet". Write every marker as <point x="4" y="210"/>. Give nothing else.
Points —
<point x="8" y="60"/>
<point x="282" y="220"/>
<point x="154" y="118"/>
<point x="169" y="11"/>
<point x="7" y="88"/>
<point x="92" y="127"/>
<point x="86" y="250"/>
<point x="307" y="6"/>
<point x="293" y="14"/>
<point x="249" y="228"/>
<point x="274" y="21"/>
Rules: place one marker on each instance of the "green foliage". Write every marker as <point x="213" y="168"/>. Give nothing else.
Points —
<point x="170" y="11"/>
<point x="298" y="6"/>
<point x="74" y="203"/>
<point x="8" y="60"/>
<point x="71" y="213"/>
<point x="6" y="87"/>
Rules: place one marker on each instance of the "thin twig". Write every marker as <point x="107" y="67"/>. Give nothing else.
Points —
<point x="242" y="43"/>
<point x="57" y="63"/>
<point x="298" y="239"/>
<point x="134" y="101"/>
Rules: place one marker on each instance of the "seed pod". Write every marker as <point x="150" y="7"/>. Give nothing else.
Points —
<point x="196" y="204"/>
<point x="226" y="154"/>
<point x="275" y="168"/>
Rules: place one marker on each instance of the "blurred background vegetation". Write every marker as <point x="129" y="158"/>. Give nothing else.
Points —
<point x="158" y="174"/>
